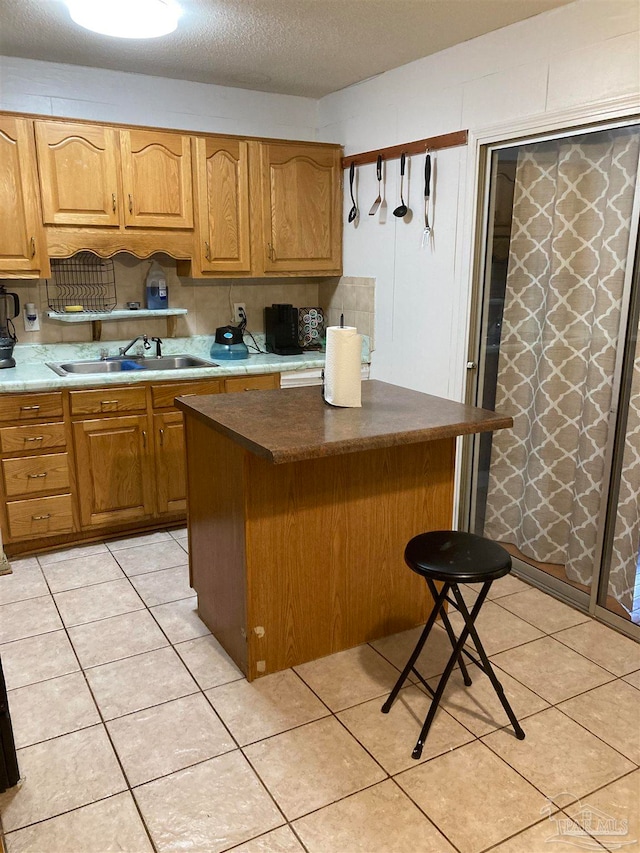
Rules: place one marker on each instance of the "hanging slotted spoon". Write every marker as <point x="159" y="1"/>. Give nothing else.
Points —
<point x="354" y="210"/>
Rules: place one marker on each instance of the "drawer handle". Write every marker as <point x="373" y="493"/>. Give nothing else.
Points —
<point x="29" y="408"/>
<point x="40" y="517"/>
<point x="33" y="247"/>
<point x="35" y="438"/>
<point x="130" y="203"/>
<point x="113" y="201"/>
<point x="161" y="431"/>
<point x="108" y="402"/>
<point x="37" y="476"/>
<point x="207" y="251"/>
<point x="144" y="438"/>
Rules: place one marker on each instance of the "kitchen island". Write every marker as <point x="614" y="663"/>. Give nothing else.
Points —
<point x="299" y="512"/>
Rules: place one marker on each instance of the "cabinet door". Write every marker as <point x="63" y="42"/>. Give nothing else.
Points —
<point x="114" y="471"/>
<point x="171" y="491"/>
<point x="156" y="171"/>
<point x="21" y="239"/>
<point x="301" y="208"/>
<point x="78" y="173"/>
<point x="222" y="175"/>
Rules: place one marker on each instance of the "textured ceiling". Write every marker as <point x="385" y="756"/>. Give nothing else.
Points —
<point x="295" y="47"/>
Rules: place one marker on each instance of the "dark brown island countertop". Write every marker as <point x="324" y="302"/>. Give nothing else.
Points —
<point x="294" y="424"/>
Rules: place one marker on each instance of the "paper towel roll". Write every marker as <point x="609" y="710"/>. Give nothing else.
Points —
<point x="342" y="381"/>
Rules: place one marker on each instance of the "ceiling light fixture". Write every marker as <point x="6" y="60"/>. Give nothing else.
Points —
<point x="128" y="19"/>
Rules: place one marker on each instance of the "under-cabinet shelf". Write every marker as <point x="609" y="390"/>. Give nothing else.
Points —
<point x="96" y="319"/>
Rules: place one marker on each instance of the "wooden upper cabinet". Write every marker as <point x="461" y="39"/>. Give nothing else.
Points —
<point x="156" y="175"/>
<point x="78" y="173"/>
<point x="222" y="187"/>
<point x="21" y="240"/>
<point x="301" y="208"/>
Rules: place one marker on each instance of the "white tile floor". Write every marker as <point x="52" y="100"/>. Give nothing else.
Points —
<point x="137" y="733"/>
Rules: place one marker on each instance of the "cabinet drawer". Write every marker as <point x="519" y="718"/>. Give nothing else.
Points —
<point x="32" y="437"/>
<point x="28" y="407"/>
<point x="252" y="383"/>
<point x="108" y="400"/>
<point x="164" y="395"/>
<point x="40" y="516"/>
<point x="27" y="474"/>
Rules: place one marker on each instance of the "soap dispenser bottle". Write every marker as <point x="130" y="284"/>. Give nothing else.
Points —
<point x="156" y="284"/>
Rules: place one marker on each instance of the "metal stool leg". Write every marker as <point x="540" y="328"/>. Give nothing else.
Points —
<point x="438" y="602"/>
<point x="488" y="669"/>
<point x="452" y="637"/>
<point x="444" y="678"/>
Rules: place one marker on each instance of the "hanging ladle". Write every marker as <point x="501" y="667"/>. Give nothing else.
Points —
<point x="401" y="209"/>
<point x="354" y="210"/>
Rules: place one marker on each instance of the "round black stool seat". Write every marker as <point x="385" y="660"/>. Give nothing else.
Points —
<point x="456" y="557"/>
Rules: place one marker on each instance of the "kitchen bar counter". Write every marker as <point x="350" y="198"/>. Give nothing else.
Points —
<point x="299" y="513"/>
<point x="300" y="425"/>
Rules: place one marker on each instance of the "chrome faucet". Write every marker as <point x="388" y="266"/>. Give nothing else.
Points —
<point x="145" y="342"/>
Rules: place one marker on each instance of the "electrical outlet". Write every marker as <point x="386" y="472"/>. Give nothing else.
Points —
<point x="239" y="312"/>
<point x="31" y="318"/>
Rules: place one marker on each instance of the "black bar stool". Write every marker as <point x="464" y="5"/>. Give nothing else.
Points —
<point x="454" y="557"/>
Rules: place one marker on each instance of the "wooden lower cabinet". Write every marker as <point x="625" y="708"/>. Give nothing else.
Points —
<point x="79" y="464"/>
<point x="114" y="470"/>
<point x="171" y="490"/>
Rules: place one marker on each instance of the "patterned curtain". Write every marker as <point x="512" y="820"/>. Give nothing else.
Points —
<point x="567" y="257"/>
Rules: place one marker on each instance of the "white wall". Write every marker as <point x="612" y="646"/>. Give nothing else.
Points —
<point x="578" y="56"/>
<point x="49" y="88"/>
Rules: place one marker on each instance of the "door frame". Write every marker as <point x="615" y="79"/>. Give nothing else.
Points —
<point x="613" y="113"/>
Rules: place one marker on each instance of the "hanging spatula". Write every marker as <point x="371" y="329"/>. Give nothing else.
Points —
<point x="376" y="203"/>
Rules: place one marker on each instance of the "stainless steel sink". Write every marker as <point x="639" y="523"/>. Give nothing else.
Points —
<point x="114" y="365"/>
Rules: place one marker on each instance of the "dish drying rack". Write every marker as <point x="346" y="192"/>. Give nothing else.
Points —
<point x="83" y="280"/>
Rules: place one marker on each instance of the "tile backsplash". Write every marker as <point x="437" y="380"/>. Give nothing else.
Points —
<point x="209" y="303"/>
<point x="352" y="296"/>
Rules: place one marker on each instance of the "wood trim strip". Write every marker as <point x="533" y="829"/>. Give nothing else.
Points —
<point x="420" y="146"/>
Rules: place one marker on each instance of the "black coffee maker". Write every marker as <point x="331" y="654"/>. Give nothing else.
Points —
<point x="9" y="310"/>
<point x="281" y="329"/>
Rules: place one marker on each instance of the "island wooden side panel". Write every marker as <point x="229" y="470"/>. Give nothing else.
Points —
<point x="215" y="500"/>
<point x="325" y="540"/>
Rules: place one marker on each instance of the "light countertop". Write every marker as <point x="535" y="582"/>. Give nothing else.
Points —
<point x="32" y="374"/>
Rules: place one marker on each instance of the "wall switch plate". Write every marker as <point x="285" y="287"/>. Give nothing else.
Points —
<point x="31" y="320"/>
<point x="239" y="312"/>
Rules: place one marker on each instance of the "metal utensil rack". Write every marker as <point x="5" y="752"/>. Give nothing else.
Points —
<point x="82" y="280"/>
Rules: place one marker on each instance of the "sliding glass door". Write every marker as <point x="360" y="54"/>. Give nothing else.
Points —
<point x="554" y="350"/>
